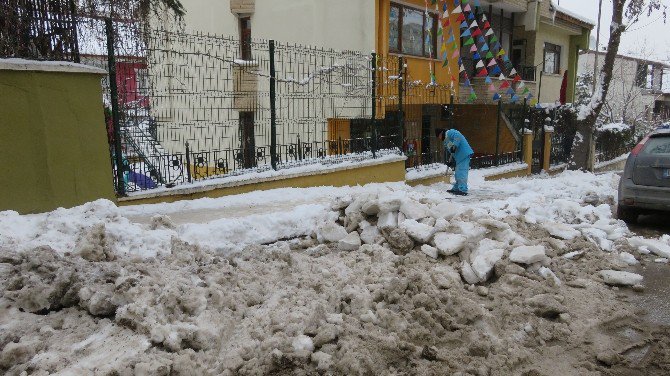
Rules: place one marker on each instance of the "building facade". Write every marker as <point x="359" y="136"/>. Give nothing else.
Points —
<point x="637" y="89"/>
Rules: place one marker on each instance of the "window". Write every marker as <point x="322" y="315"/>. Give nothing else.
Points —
<point x="407" y="31"/>
<point x="552" y="58"/>
<point x="657" y="145"/>
<point x="641" y="75"/>
<point x="245" y="38"/>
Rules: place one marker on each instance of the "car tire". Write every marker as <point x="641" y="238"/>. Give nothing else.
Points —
<point x="627" y="215"/>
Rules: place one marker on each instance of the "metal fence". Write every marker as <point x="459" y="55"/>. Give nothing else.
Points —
<point x="187" y="107"/>
<point x="38" y="29"/>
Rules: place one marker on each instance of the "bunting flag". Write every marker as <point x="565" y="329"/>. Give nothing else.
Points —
<point x="492" y="88"/>
<point x="510" y="91"/>
<point x="496" y="97"/>
<point x="496" y="70"/>
<point x="456" y="54"/>
<point x="485" y="47"/>
<point x="473" y="97"/>
<point x="464" y="25"/>
<point x="476" y="56"/>
<point x="488" y="80"/>
<point x="489" y="32"/>
<point x="501" y="52"/>
<point x="487" y="25"/>
<point x="515" y="98"/>
<point x="489" y="55"/>
<point x="512" y="72"/>
<point x="457" y="10"/>
<point x="477" y="32"/>
<point x="469" y="42"/>
<point x="493" y="38"/>
<point x="479" y="64"/>
<point x="473" y="49"/>
<point x="473" y="24"/>
<point x="451" y="38"/>
<point x="504" y="85"/>
<point x="517" y="78"/>
<point x="521" y="85"/>
<point x="466" y="33"/>
<point x="467" y="8"/>
<point x="483" y="73"/>
<point x="492" y="62"/>
<point x="460" y="18"/>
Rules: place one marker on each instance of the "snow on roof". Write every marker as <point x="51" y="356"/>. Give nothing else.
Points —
<point x="572" y="14"/>
<point x="630" y="56"/>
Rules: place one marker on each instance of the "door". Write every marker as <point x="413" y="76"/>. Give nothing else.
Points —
<point x="425" y="149"/>
<point x="652" y="165"/>
<point x="247" y="140"/>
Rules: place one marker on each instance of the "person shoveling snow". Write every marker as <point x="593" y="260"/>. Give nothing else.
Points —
<point x="457" y="149"/>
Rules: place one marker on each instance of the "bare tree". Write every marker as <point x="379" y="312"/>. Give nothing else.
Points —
<point x="624" y="14"/>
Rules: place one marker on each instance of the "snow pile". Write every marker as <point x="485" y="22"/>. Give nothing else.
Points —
<point x="614" y="127"/>
<point x="380" y="279"/>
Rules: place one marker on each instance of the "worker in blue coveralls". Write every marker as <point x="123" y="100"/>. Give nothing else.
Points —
<point x="457" y="147"/>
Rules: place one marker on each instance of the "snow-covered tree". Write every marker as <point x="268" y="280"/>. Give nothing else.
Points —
<point x="624" y="14"/>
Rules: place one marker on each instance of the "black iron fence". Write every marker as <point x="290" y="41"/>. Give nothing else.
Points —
<point x="38" y="29"/>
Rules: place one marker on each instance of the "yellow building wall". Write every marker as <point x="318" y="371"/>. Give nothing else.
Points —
<point x="417" y="67"/>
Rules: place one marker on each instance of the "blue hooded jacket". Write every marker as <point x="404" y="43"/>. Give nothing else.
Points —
<point x="463" y="149"/>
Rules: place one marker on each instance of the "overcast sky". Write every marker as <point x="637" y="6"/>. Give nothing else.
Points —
<point x="647" y="37"/>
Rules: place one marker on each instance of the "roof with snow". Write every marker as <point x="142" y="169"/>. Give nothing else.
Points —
<point x="568" y="12"/>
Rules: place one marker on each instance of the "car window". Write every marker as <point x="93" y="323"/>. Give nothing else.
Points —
<point x="658" y="145"/>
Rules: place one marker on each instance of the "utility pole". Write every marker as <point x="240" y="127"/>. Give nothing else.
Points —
<point x="595" y="64"/>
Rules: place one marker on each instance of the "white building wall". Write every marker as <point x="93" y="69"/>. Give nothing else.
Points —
<point x="625" y="100"/>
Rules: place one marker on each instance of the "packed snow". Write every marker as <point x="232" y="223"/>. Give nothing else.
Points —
<point x="520" y="277"/>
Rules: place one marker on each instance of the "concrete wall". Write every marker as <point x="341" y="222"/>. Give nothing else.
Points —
<point x="53" y="143"/>
<point x="340" y="25"/>
<point x="551" y="83"/>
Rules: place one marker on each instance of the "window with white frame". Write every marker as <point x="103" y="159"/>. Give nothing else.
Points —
<point x="407" y="31"/>
<point x="552" y="58"/>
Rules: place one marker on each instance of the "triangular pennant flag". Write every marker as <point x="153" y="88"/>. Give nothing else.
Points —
<point x="504" y="85"/>
<point x="517" y="78"/>
<point x="454" y="45"/>
<point x="460" y="18"/>
<point x="467" y="8"/>
<point x="453" y="78"/>
<point x="455" y="54"/>
<point x="512" y="72"/>
<point x="489" y="55"/>
<point x="457" y="10"/>
<point x="446" y="62"/>
<point x="525" y="91"/>
<point x="533" y="102"/>
<point x="443" y="48"/>
<point x="492" y="63"/>
<point x="457" y="3"/>
<point x="467" y="81"/>
<point x="444" y="55"/>
<point x="477" y="32"/>
<point x="460" y="61"/>
<point x="466" y="33"/>
<point x="473" y="24"/>
<point x="487" y="25"/>
<point x="473" y="48"/>
<point x="446" y="22"/>
<point x="439" y="31"/>
<point x="482" y="73"/>
<point x="481" y="39"/>
<point x="464" y="25"/>
<point x="489" y="32"/>
<point x="484" y="18"/>
<point x="496" y="97"/>
<point x="506" y="59"/>
<point x="471" y="16"/>
<point x="488" y="80"/>
<point x="461" y="68"/>
<point x="473" y="97"/>
<point x="496" y="70"/>
<point x="501" y="52"/>
<point x="477" y="3"/>
<point x="501" y="77"/>
<point x="476" y="56"/>
<point x="444" y="7"/>
<point x="451" y="38"/>
<point x="510" y="91"/>
<point x="515" y="98"/>
<point x="469" y="42"/>
<point x="521" y="85"/>
<point x="492" y="87"/>
<point x="485" y="47"/>
<point x="479" y="64"/>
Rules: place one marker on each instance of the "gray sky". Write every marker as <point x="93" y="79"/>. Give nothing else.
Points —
<point x="647" y="37"/>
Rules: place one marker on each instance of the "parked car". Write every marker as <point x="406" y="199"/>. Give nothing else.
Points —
<point x="645" y="183"/>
